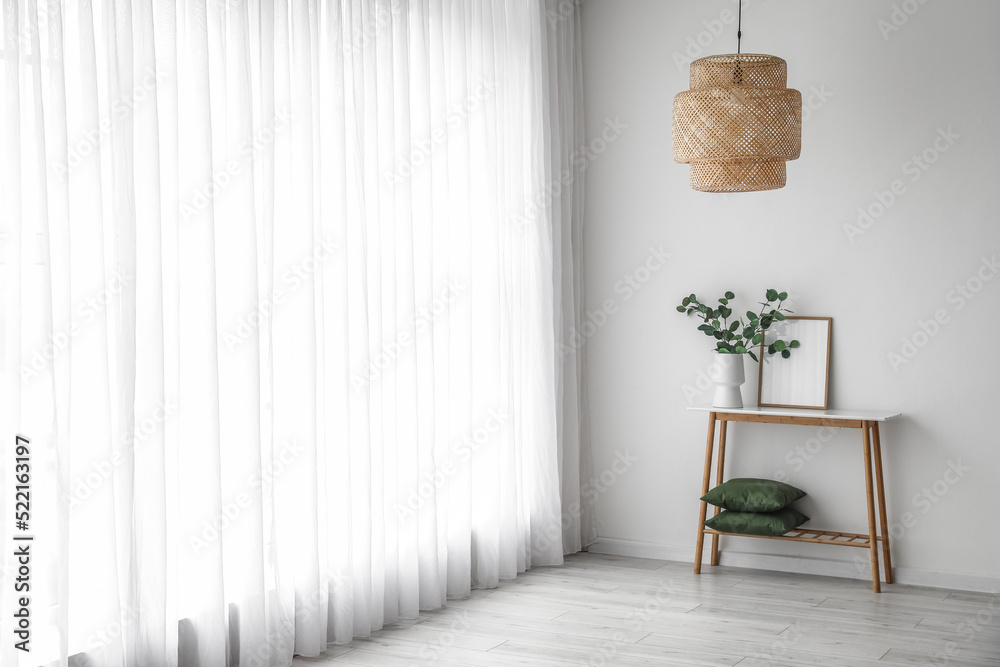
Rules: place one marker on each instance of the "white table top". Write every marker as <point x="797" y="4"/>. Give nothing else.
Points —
<point x="863" y="415"/>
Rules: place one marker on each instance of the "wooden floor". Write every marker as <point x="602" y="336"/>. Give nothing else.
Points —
<point x="606" y="610"/>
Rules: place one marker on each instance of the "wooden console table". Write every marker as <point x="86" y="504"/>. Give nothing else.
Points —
<point x="866" y="421"/>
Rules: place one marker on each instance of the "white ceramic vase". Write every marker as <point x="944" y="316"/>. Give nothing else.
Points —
<point x="728" y="373"/>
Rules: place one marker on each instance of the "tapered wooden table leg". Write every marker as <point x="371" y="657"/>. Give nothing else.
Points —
<point x="704" y="489"/>
<point x="869" y="489"/>
<point x="883" y="512"/>
<point x="719" y="470"/>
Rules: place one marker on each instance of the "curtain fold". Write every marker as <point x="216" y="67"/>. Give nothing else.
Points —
<point x="286" y="290"/>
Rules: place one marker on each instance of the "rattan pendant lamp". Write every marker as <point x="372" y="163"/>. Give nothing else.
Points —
<point x="738" y="124"/>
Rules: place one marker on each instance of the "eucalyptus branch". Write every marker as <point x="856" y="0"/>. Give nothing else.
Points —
<point x="739" y="336"/>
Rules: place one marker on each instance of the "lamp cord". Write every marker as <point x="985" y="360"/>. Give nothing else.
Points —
<point x="739" y="29"/>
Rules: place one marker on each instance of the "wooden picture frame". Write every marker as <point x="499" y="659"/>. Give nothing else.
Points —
<point x="802" y="380"/>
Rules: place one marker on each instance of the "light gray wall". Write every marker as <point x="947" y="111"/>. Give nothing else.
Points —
<point x="876" y="97"/>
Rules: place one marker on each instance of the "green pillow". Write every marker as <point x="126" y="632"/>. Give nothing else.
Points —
<point x="746" y="494"/>
<point x="757" y="523"/>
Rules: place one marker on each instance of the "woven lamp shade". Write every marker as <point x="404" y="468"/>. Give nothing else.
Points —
<point x="738" y="124"/>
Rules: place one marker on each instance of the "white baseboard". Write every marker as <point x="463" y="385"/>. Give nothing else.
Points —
<point x="796" y="564"/>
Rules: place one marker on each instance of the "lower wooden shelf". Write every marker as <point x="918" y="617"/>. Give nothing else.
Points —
<point x="817" y="536"/>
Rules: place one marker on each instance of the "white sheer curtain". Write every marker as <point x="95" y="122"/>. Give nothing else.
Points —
<point x="284" y="286"/>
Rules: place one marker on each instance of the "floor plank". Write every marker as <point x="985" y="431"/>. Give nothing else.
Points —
<point x="636" y="612"/>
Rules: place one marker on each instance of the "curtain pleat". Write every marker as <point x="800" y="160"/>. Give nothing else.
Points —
<point x="286" y="287"/>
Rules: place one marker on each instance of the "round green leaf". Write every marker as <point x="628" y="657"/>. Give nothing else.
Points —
<point x="779" y="345"/>
<point x="758" y="339"/>
<point x="740" y="349"/>
<point x="730" y="295"/>
<point x="785" y="354"/>
<point x="782" y="296"/>
<point x="772" y="295"/>
<point x="681" y="309"/>
<point x="686" y="301"/>
<point x="793" y="344"/>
